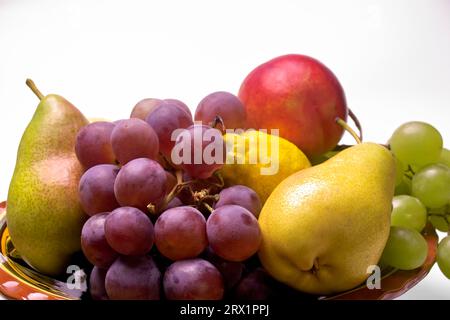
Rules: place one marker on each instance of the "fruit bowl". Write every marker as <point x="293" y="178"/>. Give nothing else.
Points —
<point x="17" y="281"/>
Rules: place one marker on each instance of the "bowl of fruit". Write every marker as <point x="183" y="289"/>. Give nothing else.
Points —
<point x="252" y="198"/>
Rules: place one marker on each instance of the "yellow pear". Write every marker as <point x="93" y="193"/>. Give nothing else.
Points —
<point x="324" y="226"/>
<point x="262" y="176"/>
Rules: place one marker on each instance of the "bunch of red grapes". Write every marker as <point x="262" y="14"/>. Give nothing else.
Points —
<point x="158" y="230"/>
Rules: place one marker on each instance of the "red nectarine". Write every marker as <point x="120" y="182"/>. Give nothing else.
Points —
<point x="299" y="96"/>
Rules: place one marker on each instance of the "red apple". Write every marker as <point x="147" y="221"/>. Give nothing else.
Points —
<point x="299" y="96"/>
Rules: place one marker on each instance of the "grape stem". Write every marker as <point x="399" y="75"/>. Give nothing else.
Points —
<point x="172" y="194"/>
<point x="202" y="195"/>
<point x="207" y="206"/>
<point x="167" y="163"/>
<point x="410" y="169"/>
<point x="179" y="176"/>
<point x="408" y="175"/>
<point x="346" y="127"/>
<point x="199" y="196"/>
<point x="151" y="208"/>
<point x="30" y="83"/>
<point x="221" y="180"/>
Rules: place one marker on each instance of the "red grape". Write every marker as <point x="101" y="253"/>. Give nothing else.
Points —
<point x="180" y="104"/>
<point x="133" y="278"/>
<point x="193" y="279"/>
<point x="165" y="119"/>
<point x="171" y="181"/>
<point x="96" y="189"/>
<point x="200" y="151"/>
<point x="140" y="182"/>
<point x="144" y="107"/>
<point x="97" y="284"/>
<point x="225" y="105"/>
<point x="175" y="202"/>
<point x="233" y="232"/>
<point x="129" y="231"/>
<point x="93" y="242"/>
<point x="93" y="144"/>
<point x="255" y="286"/>
<point x="242" y="196"/>
<point x="132" y="139"/>
<point x="180" y="233"/>
<point x="231" y="271"/>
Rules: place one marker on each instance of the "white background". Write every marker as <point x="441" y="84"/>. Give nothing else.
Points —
<point x="392" y="58"/>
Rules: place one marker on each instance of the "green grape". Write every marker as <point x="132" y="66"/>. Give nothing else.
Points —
<point x="400" y="170"/>
<point x="432" y="185"/>
<point x="408" y="212"/>
<point x="406" y="249"/>
<point x="440" y="218"/>
<point x="439" y="223"/>
<point x="416" y="143"/>
<point x="443" y="256"/>
<point x="444" y="158"/>
<point x="404" y="187"/>
<point x="442" y="211"/>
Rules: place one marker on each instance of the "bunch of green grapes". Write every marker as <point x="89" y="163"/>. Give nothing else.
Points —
<point x="422" y="195"/>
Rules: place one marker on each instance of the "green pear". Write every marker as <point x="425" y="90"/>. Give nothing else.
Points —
<point x="43" y="215"/>
<point x="325" y="226"/>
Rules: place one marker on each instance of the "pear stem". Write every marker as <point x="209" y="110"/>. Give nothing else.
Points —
<point x="344" y="125"/>
<point x="30" y="83"/>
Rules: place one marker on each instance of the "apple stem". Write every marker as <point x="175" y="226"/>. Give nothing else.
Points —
<point x="344" y="125"/>
<point x="30" y="83"/>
